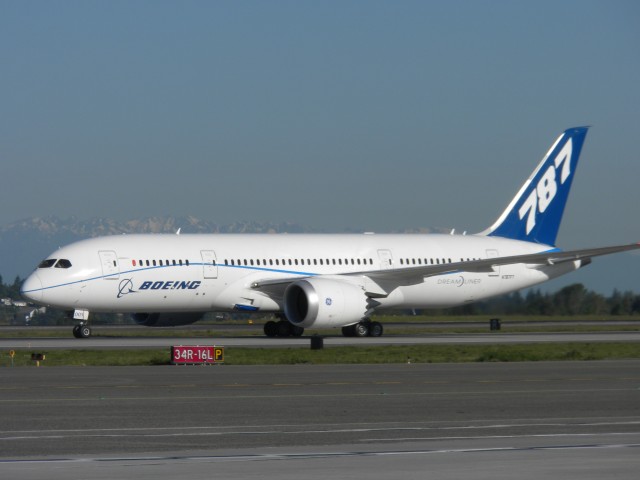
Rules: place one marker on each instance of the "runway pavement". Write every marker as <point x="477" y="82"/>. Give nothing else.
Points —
<point x="262" y="342"/>
<point x="522" y="420"/>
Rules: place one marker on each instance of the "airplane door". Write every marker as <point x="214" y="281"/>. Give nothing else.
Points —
<point x="386" y="260"/>
<point x="109" y="262"/>
<point x="209" y="265"/>
<point x="496" y="270"/>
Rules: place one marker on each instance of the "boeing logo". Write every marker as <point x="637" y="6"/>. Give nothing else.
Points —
<point x="125" y="287"/>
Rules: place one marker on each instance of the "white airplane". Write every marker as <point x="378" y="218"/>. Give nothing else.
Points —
<point x="319" y="281"/>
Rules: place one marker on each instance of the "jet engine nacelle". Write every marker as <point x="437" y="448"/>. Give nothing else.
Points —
<point x="324" y="302"/>
<point x="166" y="319"/>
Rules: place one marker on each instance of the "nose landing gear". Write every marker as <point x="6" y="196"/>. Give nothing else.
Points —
<point x="81" y="330"/>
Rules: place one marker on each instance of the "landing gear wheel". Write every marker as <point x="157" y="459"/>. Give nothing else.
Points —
<point x="85" y="331"/>
<point x="361" y="329"/>
<point x="271" y="329"/>
<point x="376" y="329"/>
<point x="76" y="331"/>
<point x="284" y="328"/>
<point x="296" y="331"/>
<point x="348" y="331"/>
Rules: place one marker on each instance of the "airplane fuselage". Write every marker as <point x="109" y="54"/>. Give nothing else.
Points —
<point x="193" y="273"/>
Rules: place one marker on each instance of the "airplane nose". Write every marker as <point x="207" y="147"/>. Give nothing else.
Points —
<point x="32" y="288"/>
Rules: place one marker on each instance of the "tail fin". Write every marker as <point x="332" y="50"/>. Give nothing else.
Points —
<point x="535" y="213"/>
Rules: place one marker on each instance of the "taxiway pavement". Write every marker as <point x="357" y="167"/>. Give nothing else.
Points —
<point x="520" y="420"/>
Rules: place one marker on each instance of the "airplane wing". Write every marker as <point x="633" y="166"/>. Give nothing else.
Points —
<point x="417" y="274"/>
<point x="412" y="275"/>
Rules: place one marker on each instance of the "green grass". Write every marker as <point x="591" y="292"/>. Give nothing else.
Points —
<point x="343" y="355"/>
<point x="56" y="358"/>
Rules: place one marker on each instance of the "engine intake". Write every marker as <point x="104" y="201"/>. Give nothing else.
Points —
<point x="323" y="302"/>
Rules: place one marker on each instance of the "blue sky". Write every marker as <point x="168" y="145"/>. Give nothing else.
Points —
<point x="363" y="115"/>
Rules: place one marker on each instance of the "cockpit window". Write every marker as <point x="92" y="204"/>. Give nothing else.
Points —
<point x="63" y="263"/>
<point x="50" y="262"/>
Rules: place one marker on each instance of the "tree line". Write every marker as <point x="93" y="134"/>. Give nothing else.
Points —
<point x="571" y="300"/>
<point x="10" y="290"/>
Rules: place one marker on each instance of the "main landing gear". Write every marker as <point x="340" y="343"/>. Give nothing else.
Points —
<point x="282" y="328"/>
<point x="365" y="328"/>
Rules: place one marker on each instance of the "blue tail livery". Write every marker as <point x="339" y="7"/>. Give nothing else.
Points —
<point x="535" y="213"/>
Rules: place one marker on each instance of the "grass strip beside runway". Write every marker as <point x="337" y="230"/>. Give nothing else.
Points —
<point x="341" y="355"/>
